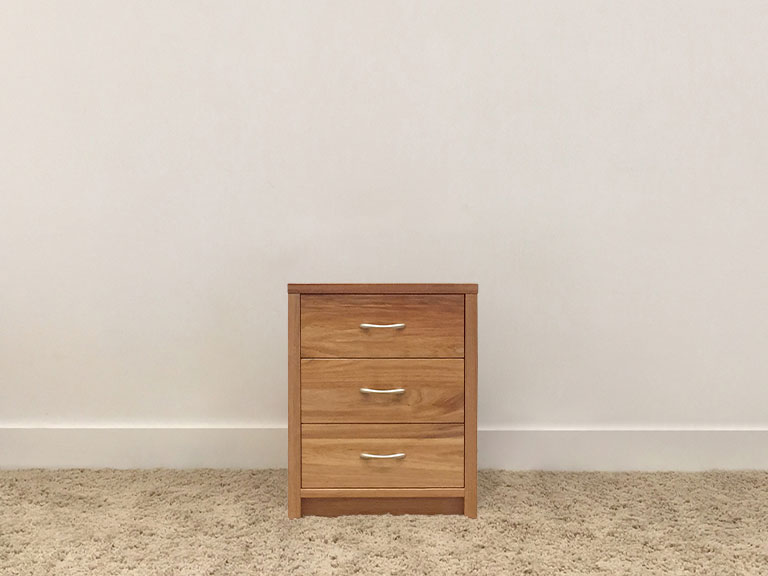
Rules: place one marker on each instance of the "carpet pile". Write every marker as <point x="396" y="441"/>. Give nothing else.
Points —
<point x="165" y="522"/>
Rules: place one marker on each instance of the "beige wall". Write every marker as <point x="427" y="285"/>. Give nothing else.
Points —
<point x="600" y="168"/>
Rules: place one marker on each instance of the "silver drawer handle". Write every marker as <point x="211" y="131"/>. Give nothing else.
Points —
<point x="388" y="391"/>
<point x="393" y="326"/>
<point x="397" y="456"/>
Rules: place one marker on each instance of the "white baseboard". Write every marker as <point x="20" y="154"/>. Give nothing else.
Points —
<point x="242" y="447"/>
<point x="624" y="450"/>
<point x="143" y="447"/>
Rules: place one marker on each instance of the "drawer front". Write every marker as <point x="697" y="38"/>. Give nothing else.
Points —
<point x="433" y="455"/>
<point x="400" y="326"/>
<point x="393" y="390"/>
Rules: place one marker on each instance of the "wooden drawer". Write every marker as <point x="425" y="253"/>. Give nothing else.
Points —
<point x="331" y="455"/>
<point x="331" y="326"/>
<point x="433" y="390"/>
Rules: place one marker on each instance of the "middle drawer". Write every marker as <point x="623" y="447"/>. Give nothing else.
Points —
<point x="387" y="390"/>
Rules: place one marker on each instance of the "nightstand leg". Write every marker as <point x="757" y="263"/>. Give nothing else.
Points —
<point x="470" y="405"/>
<point x="294" y="406"/>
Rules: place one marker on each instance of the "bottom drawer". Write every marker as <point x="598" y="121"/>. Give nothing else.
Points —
<point x="349" y="455"/>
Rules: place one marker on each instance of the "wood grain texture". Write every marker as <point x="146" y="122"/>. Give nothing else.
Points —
<point x="330" y="326"/>
<point x="382" y="492"/>
<point x="294" y="406"/>
<point x="330" y="455"/>
<point x="382" y="288"/>
<point x="395" y="506"/>
<point x="470" y="405"/>
<point x="330" y="390"/>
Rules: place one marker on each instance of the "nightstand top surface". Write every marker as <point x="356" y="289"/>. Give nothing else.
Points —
<point x="382" y="288"/>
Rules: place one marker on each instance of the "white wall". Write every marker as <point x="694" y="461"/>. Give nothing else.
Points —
<point x="599" y="168"/>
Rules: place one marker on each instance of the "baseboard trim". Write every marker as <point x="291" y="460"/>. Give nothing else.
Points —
<point x="512" y="449"/>
<point x="153" y="447"/>
<point x="625" y="450"/>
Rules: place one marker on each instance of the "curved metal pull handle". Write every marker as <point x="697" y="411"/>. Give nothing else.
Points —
<point x="399" y="326"/>
<point x="388" y="391"/>
<point x="397" y="456"/>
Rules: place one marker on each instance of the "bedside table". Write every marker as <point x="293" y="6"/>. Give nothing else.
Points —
<point x="382" y="399"/>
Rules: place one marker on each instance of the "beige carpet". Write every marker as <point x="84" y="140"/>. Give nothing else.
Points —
<point x="233" y="522"/>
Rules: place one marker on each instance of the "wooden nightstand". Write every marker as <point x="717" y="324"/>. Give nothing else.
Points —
<point x="382" y="399"/>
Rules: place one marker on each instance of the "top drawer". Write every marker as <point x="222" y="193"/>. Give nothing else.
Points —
<point x="433" y="326"/>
